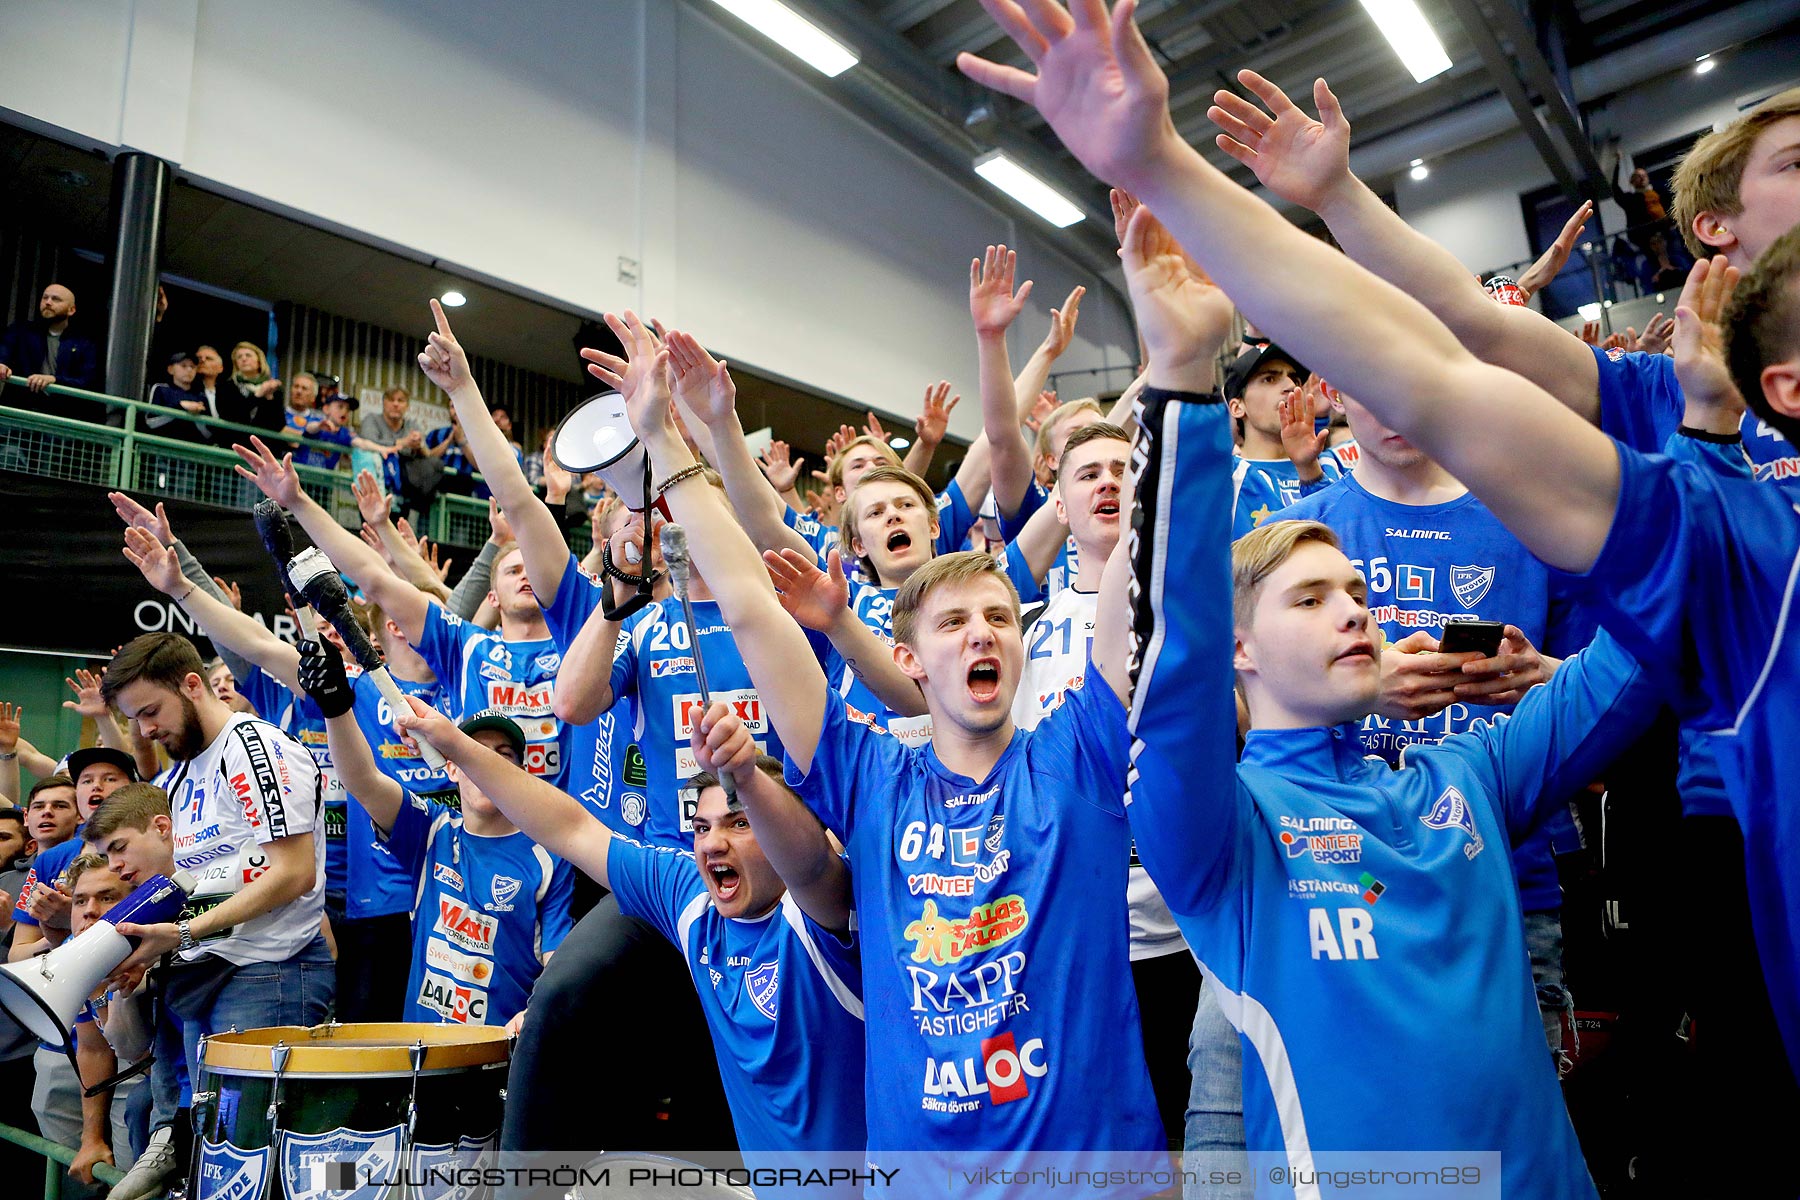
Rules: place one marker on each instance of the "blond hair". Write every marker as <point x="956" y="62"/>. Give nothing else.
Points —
<point x="879" y="473"/>
<point x="262" y="360"/>
<point x="835" y="472"/>
<point x="1047" y="431"/>
<point x="80" y="865"/>
<point x="1712" y="172"/>
<point x="1257" y="555"/>
<point x="962" y="566"/>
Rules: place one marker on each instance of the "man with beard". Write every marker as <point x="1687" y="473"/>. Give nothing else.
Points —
<point x="245" y="811"/>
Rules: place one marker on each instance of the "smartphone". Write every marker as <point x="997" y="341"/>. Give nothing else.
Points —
<point x="1460" y="637"/>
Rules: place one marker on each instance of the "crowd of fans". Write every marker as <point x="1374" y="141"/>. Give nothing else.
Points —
<point x="1213" y="792"/>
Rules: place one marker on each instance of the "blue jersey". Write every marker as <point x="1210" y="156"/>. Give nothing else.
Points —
<point x="484" y="670"/>
<point x="874" y="607"/>
<point x="1698" y="577"/>
<point x="1774" y="458"/>
<point x="993" y="920"/>
<point x="1350" y="917"/>
<point x="605" y="772"/>
<point x="486" y="911"/>
<point x="1263" y="487"/>
<point x="955" y="519"/>
<point x="300" y="719"/>
<point x="655" y="670"/>
<point x="46" y="868"/>
<point x="377" y="883"/>
<point x="782" y="997"/>
<point x="1064" y="570"/>
<point x="1428" y="565"/>
<point x="1640" y="400"/>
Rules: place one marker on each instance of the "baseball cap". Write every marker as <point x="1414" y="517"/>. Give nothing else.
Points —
<point x="81" y="760"/>
<point x="1245" y="366"/>
<point x="181" y="356"/>
<point x="497" y="721"/>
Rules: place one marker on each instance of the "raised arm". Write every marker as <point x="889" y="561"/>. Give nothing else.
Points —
<point x="1035" y="374"/>
<point x="787" y="678"/>
<point x="993" y="306"/>
<point x="792" y="838"/>
<point x="707" y="389"/>
<point x="406" y="604"/>
<point x="1099" y="87"/>
<point x="820" y="601"/>
<point x="322" y="675"/>
<point x="539" y="534"/>
<point x="90" y="703"/>
<point x="551" y="818"/>
<point x="219" y="621"/>
<point x="156" y="523"/>
<point x="1307" y="162"/>
<point x="930" y="428"/>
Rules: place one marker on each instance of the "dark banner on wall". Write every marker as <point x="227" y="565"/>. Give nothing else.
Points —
<point x="65" y="586"/>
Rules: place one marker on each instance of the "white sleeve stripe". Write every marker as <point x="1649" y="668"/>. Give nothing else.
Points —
<point x="260" y="775"/>
<point x="1248" y="1016"/>
<point x="546" y="871"/>
<point x="684" y="923"/>
<point x="790" y="912"/>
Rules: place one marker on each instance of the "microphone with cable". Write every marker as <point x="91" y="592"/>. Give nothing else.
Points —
<point x="319" y="583"/>
<point x="278" y="539"/>
<point x="681" y="572"/>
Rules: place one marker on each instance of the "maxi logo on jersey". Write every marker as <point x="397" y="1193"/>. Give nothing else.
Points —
<point x="688" y="708"/>
<point x="945" y="940"/>
<point x="1323" y="839"/>
<point x="465" y="927"/>
<point x="953" y="1086"/>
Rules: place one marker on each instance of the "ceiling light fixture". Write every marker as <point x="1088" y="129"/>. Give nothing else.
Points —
<point x="899" y="443"/>
<point x="1419" y="169"/>
<point x="1703" y="64"/>
<point x="793" y="33"/>
<point x="1027" y="189"/>
<point x="1411" y="36"/>
<point x="1589" y="312"/>
<point x="453" y="299"/>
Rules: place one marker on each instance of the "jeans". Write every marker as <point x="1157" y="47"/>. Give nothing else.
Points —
<point x="213" y="996"/>
<point x="1215" y="1109"/>
<point x="1544" y="939"/>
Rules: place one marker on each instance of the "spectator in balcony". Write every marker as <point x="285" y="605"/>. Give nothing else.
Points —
<point x="209" y="365"/>
<point x="302" y="417"/>
<point x="534" y="462"/>
<point x="399" y="438"/>
<point x="45" y="351"/>
<point x="258" y="394"/>
<point x="179" y="394"/>
<point x="503" y="421"/>
<point x="449" y="446"/>
<point x="334" y="425"/>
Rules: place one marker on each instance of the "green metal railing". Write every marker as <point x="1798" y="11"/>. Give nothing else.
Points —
<point x="129" y="458"/>
<point x="55" y="1155"/>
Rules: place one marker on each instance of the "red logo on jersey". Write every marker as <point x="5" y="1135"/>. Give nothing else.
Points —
<point x="1005" y="1070"/>
<point x="240" y="787"/>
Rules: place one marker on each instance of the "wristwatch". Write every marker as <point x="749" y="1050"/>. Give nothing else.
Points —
<point x="187" y="935"/>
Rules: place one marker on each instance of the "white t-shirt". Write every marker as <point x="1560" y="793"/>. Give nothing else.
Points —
<point x="251" y="785"/>
<point x="1057" y="643"/>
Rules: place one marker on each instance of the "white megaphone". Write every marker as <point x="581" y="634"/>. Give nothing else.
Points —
<point x="47" y="992"/>
<point x="598" y="436"/>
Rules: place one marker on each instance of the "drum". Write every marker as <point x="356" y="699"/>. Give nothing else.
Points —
<point x="291" y="1113"/>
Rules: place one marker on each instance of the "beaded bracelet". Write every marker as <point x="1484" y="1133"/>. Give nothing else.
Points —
<point x="687" y="472"/>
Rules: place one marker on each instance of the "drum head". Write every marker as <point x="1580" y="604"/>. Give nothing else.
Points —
<point x="367" y="1050"/>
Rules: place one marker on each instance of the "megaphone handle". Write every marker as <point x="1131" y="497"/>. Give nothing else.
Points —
<point x="390" y="691"/>
<point x="309" y="622"/>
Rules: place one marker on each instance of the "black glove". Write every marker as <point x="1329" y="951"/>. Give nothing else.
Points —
<point x="322" y="675"/>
